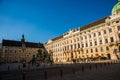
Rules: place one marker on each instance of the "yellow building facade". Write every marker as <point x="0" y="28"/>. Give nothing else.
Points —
<point x="100" y="38"/>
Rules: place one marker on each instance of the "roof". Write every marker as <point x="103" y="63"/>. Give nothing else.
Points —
<point x="57" y="38"/>
<point x="116" y="7"/>
<point x="19" y="44"/>
<point x="85" y="27"/>
<point x="93" y="24"/>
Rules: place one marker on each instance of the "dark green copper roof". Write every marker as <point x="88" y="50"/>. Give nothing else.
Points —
<point x="116" y="7"/>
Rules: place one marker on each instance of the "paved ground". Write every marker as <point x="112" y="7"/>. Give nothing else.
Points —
<point x="16" y="66"/>
<point x="111" y="72"/>
<point x="87" y="71"/>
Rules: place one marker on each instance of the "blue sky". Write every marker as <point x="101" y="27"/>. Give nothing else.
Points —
<point x="41" y="20"/>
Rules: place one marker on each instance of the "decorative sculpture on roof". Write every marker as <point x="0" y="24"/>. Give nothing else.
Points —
<point x="23" y="39"/>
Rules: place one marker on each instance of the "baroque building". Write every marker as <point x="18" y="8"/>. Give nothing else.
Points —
<point x="20" y="50"/>
<point x="100" y="38"/>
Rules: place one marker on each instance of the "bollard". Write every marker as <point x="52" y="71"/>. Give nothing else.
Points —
<point x="61" y="73"/>
<point x="24" y="75"/>
<point x="24" y="65"/>
<point x="28" y="67"/>
<point x="8" y="68"/>
<point x="108" y="64"/>
<point x="101" y="65"/>
<point x="90" y="67"/>
<point x="38" y="65"/>
<point x="44" y="65"/>
<point x="73" y="71"/>
<point x="117" y="61"/>
<point x="111" y="62"/>
<point x="45" y="75"/>
<point x="18" y="67"/>
<point x="96" y="66"/>
<point x="82" y="68"/>
<point x="32" y="64"/>
<point x="105" y="63"/>
<point x="114" y="61"/>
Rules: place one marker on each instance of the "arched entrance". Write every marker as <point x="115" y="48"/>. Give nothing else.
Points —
<point x="109" y="56"/>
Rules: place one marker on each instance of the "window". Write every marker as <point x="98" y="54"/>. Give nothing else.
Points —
<point x="99" y="33"/>
<point x="10" y="51"/>
<point x="71" y="41"/>
<point x="78" y="45"/>
<point x="86" y="51"/>
<point x="111" y="39"/>
<point x="5" y="51"/>
<point x="81" y="38"/>
<point x="118" y="27"/>
<point x="108" y="24"/>
<point x="89" y="36"/>
<point x="19" y="50"/>
<point x="90" y="43"/>
<point x="71" y="47"/>
<point x="82" y="45"/>
<point x="104" y="31"/>
<point x="94" y="35"/>
<point x="65" y="48"/>
<point x="107" y="48"/>
<point x="96" y="50"/>
<point x="110" y="30"/>
<point x="95" y="42"/>
<point x="101" y="49"/>
<point x="77" y="39"/>
<point x="74" y="40"/>
<point x="100" y="41"/>
<point x="91" y="50"/>
<point x="86" y="45"/>
<point x="119" y="35"/>
<point x="117" y="21"/>
<point x="119" y="48"/>
<point x="74" y="46"/>
<point x="68" y="47"/>
<point x="15" y="51"/>
<point x="106" y="41"/>
<point x="85" y="37"/>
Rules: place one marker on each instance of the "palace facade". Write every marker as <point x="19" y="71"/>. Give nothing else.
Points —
<point x="20" y="50"/>
<point x="100" y="38"/>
